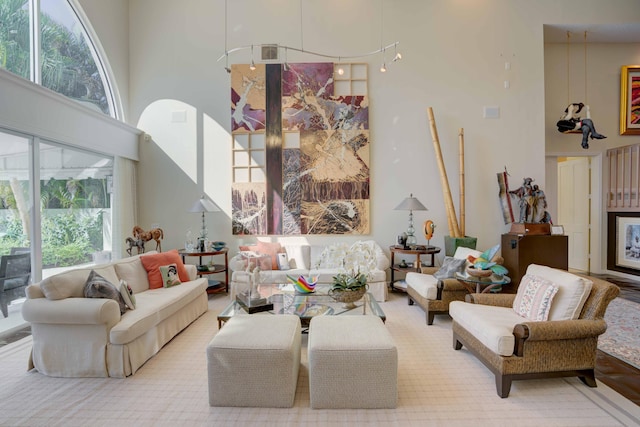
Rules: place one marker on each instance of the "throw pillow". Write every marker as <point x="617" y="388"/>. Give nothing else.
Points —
<point x="97" y="286"/>
<point x="450" y="266"/>
<point x="169" y="275"/>
<point x="573" y="291"/>
<point x="283" y="261"/>
<point x="153" y="262"/>
<point x="534" y="298"/>
<point x="271" y="249"/>
<point x="127" y="295"/>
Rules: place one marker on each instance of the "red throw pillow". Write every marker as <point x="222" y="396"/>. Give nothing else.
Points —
<point x="271" y="249"/>
<point x="153" y="262"/>
<point x="249" y="248"/>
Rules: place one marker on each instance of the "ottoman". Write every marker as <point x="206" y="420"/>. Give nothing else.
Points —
<point x="353" y="363"/>
<point x="254" y="361"/>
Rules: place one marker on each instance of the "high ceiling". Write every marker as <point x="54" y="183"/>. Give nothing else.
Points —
<point x="618" y="33"/>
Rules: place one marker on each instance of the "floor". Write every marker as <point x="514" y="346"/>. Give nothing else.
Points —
<point x="618" y="375"/>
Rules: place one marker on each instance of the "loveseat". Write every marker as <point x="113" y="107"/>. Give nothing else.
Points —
<point x="74" y="336"/>
<point x="323" y="262"/>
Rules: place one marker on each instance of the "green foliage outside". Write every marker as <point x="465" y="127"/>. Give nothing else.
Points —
<point x="68" y="238"/>
<point x="68" y="66"/>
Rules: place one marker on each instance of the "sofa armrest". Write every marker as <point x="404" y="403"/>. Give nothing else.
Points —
<point x="499" y="300"/>
<point x="72" y="311"/>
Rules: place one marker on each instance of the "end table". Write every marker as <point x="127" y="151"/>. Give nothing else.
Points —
<point x="428" y="250"/>
<point x="214" y="285"/>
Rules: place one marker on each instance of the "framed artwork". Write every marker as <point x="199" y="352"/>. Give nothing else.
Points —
<point x="628" y="242"/>
<point x="630" y="100"/>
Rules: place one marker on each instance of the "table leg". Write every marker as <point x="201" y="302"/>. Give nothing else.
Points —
<point x="418" y="264"/>
<point x="392" y="271"/>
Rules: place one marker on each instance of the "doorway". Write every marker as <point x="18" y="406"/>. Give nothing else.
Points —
<point x="578" y="195"/>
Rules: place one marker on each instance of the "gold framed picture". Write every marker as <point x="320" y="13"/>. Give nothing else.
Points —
<point x="630" y="100"/>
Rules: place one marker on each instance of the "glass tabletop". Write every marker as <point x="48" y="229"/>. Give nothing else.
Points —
<point x="493" y="279"/>
<point x="286" y="300"/>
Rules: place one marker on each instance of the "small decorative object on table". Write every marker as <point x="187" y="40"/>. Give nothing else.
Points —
<point x="304" y="285"/>
<point x="488" y="263"/>
<point x="348" y="288"/>
<point x="218" y="245"/>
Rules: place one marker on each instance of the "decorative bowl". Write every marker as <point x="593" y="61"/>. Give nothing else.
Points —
<point x="218" y="245"/>
<point x="475" y="272"/>
<point x="348" y="296"/>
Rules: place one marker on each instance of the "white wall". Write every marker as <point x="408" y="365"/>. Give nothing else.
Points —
<point x="453" y="60"/>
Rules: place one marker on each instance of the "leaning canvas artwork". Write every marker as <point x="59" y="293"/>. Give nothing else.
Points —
<point x="315" y="158"/>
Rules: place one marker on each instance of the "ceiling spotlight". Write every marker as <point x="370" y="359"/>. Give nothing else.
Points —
<point x="398" y="57"/>
<point x="227" y="69"/>
<point x="383" y="69"/>
<point x="340" y="70"/>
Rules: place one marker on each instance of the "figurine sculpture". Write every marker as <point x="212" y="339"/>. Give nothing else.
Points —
<point x="571" y="121"/>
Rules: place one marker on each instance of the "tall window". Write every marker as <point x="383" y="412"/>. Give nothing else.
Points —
<point x="68" y="61"/>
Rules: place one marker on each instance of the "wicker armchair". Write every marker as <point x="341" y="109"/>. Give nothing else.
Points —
<point x="542" y="348"/>
<point x="447" y="290"/>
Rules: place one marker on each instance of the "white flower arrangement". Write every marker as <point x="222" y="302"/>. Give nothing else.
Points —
<point x="352" y="260"/>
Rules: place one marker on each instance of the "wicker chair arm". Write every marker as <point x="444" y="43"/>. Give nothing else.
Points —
<point x="499" y="300"/>
<point x="429" y="270"/>
<point x="560" y="329"/>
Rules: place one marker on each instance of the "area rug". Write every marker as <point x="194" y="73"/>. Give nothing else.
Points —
<point x="437" y="386"/>
<point x="622" y="338"/>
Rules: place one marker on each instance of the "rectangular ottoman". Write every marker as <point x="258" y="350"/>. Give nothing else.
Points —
<point x="254" y="361"/>
<point x="353" y="363"/>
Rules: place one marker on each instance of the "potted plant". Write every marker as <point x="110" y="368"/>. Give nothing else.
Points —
<point x="348" y="288"/>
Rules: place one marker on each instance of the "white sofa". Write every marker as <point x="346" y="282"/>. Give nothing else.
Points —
<point x="323" y="262"/>
<point x="88" y="337"/>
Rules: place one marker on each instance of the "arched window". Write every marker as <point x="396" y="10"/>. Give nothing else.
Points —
<point x="51" y="47"/>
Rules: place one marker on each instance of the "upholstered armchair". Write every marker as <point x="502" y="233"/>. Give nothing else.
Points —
<point x="433" y="294"/>
<point x="514" y="347"/>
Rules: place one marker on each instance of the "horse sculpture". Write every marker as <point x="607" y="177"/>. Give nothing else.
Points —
<point x="139" y="244"/>
<point x="154" y="234"/>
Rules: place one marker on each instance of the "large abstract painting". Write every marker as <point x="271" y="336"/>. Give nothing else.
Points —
<point x="316" y="151"/>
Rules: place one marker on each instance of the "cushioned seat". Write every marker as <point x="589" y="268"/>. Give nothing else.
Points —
<point x="353" y="363"/>
<point x="254" y="361"/>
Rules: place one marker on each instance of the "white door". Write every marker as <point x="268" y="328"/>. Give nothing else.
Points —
<point x="573" y="208"/>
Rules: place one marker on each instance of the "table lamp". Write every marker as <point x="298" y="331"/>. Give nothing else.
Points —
<point x="203" y="205"/>
<point x="411" y="204"/>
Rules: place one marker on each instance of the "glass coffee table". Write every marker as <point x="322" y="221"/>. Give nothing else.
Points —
<point x="286" y="300"/>
<point x="478" y="285"/>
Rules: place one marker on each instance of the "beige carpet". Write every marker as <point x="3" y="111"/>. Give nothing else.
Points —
<point x="437" y="387"/>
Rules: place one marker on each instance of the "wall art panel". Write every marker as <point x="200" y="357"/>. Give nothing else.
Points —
<point x="320" y="183"/>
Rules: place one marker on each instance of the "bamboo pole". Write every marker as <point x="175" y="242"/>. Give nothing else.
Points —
<point x="454" y="230"/>
<point x="462" y="207"/>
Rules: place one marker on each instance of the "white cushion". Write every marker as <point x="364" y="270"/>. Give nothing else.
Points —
<point x="298" y="256"/>
<point x="132" y="271"/>
<point x="491" y="325"/>
<point x="463" y="253"/>
<point x="70" y="284"/>
<point x="424" y="284"/>
<point x="573" y="291"/>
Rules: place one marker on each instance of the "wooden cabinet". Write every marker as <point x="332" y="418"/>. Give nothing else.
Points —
<point x="520" y="251"/>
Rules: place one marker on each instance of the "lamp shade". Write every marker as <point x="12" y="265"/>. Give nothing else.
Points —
<point x="204" y="205"/>
<point x="410" y="204"/>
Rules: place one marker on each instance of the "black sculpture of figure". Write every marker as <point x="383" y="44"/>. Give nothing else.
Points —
<point x="571" y="121"/>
